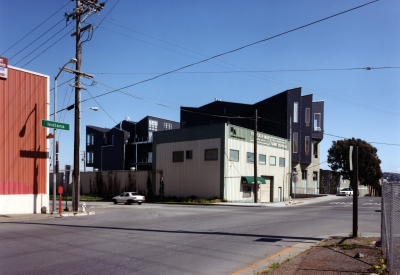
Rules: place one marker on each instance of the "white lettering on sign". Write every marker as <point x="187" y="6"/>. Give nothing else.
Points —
<point x="269" y="140"/>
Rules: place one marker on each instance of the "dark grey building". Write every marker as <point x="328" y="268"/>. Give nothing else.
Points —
<point x="128" y="145"/>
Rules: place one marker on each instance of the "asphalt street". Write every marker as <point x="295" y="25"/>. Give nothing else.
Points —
<point x="173" y="239"/>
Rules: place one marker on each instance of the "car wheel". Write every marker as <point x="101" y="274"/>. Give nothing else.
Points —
<point x="139" y="203"/>
<point x="115" y="201"/>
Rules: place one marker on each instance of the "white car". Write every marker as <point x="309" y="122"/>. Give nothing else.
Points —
<point x="129" y="198"/>
<point x="346" y="192"/>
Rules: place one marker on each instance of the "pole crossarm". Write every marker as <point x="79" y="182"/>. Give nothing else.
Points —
<point x="89" y="76"/>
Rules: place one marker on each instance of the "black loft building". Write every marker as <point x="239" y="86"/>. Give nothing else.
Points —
<point x="127" y="145"/>
<point x="280" y="115"/>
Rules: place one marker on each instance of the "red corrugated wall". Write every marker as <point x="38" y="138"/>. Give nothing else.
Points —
<point x="23" y="105"/>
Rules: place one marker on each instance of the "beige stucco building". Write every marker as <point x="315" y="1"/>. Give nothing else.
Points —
<point x="218" y="161"/>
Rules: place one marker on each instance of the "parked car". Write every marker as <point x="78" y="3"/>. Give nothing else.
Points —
<point x="129" y="198"/>
<point x="346" y="192"/>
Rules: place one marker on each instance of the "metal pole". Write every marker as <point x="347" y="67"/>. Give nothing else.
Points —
<point x="54" y="147"/>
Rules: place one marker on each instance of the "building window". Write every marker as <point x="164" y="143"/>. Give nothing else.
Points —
<point x="307" y="117"/>
<point x="90" y="139"/>
<point x="246" y="191"/>
<point x="317" y="122"/>
<point x="150" y="136"/>
<point x="262" y="159"/>
<point x="272" y="160"/>
<point x="211" y="154"/>
<point x="296" y="112"/>
<point x="153" y="125"/>
<point x="177" y="156"/>
<point x="89" y="157"/>
<point x="315" y="149"/>
<point x="282" y="162"/>
<point x="167" y="126"/>
<point x="307" y="145"/>
<point x="234" y="155"/>
<point x="295" y="142"/>
<point x="250" y="157"/>
<point x="189" y="154"/>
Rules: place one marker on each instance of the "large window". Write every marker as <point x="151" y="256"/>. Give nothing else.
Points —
<point x="153" y="125"/>
<point x="296" y="112"/>
<point x="177" y="156"/>
<point x="282" y="162"/>
<point x="307" y="117"/>
<point x="262" y="159"/>
<point x="295" y="142"/>
<point x="317" y="122"/>
<point x="250" y="157"/>
<point x="246" y="191"/>
<point x="211" y="154"/>
<point x="167" y="126"/>
<point x="90" y="139"/>
<point x="89" y="157"/>
<point x="272" y="160"/>
<point x="307" y="145"/>
<point x="234" y="155"/>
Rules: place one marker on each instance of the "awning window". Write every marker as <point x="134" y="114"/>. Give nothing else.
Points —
<point x="250" y="180"/>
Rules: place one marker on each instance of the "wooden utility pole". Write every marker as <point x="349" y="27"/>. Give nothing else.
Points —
<point x="255" y="161"/>
<point x="83" y="7"/>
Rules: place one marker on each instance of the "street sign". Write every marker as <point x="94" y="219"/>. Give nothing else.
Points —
<point x="55" y="125"/>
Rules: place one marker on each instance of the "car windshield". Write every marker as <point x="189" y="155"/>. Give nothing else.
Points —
<point x="134" y="193"/>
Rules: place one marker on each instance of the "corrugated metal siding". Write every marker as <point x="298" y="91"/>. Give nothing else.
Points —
<point x="192" y="177"/>
<point x="23" y="105"/>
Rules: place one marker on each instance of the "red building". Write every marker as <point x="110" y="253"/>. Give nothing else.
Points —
<point x="24" y="102"/>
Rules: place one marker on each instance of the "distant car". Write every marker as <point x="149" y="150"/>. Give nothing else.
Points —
<point x="129" y="198"/>
<point x="346" y="192"/>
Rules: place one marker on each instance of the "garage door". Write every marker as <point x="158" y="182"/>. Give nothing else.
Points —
<point x="265" y="190"/>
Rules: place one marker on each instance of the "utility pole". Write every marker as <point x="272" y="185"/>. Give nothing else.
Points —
<point x="354" y="181"/>
<point x="82" y="8"/>
<point x="255" y="161"/>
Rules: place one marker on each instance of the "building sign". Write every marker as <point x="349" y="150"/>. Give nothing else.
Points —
<point x="262" y="139"/>
<point x="269" y="140"/>
<point x="3" y="67"/>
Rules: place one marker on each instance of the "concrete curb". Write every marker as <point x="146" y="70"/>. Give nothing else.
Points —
<point x="291" y="252"/>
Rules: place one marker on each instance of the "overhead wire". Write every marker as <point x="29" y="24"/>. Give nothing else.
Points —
<point x="237" y="49"/>
<point x="35" y="29"/>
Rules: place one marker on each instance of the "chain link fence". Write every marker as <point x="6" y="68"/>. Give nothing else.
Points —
<point x="391" y="226"/>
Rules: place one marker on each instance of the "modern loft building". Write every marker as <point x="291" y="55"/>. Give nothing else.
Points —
<point x="288" y="115"/>
<point x="126" y="146"/>
<point x="218" y="161"/>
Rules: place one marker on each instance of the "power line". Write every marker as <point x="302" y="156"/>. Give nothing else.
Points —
<point x="237" y="49"/>
<point x="46" y="49"/>
<point x="35" y="29"/>
<point x="262" y="71"/>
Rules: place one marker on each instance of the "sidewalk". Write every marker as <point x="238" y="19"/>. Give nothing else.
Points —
<point x="295" y="202"/>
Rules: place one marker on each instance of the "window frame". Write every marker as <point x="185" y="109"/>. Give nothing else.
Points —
<point x="176" y="156"/>
<point x="317" y="122"/>
<point x="248" y="160"/>
<point x="307" y="145"/>
<point x="265" y="159"/>
<point x="295" y="142"/>
<point x="230" y="155"/>
<point x="307" y="116"/>
<point x="272" y="158"/>
<point x="207" y="154"/>
<point x="295" y="112"/>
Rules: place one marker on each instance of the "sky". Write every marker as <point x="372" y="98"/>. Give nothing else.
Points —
<point x="134" y="41"/>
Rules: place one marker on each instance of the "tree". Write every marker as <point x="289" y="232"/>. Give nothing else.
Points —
<point x="369" y="168"/>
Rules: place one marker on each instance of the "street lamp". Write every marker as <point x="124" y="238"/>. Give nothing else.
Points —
<point x="71" y="61"/>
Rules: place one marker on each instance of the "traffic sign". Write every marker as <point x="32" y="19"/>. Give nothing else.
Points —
<point x="55" y="125"/>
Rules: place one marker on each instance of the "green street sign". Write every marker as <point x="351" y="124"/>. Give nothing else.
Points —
<point x="55" y="125"/>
